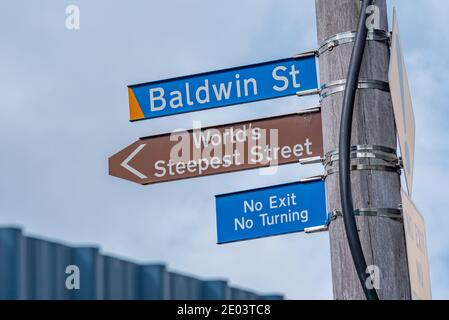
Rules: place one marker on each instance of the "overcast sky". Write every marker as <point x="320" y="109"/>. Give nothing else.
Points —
<point x="64" y="111"/>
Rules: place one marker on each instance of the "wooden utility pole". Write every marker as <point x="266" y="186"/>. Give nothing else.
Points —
<point x="382" y="238"/>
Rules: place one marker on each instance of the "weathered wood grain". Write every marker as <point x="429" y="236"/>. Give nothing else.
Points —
<point x="383" y="240"/>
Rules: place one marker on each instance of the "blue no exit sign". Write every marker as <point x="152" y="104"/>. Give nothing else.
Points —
<point x="270" y="211"/>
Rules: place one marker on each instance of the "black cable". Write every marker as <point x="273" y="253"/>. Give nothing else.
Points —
<point x="344" y="151"/>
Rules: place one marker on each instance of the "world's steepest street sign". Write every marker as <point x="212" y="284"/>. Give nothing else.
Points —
<point x="234" y="147"/>
<point x="274" y="79"/>
<point x="271" y="211"/>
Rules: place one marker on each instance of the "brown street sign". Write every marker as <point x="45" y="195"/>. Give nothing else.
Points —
<point x="402" y="105"/>
<point x="222" y="149"/>
<point x="418" y="260"/>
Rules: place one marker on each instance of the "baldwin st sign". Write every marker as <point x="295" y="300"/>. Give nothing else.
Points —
<point x="227" y="148"/>
<point x="222" y="88"/>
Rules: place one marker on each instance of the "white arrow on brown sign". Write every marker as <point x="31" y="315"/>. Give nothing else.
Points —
<point x="226" y="148"/>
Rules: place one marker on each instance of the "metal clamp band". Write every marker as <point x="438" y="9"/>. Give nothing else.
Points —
<point x="349" y="36"/>
<point x="366" y="83"/>
<point x="395" y="214"/>
<point x="336" y="86"/>
<point x="365" y="152"/>
<point x="366" y="167"/>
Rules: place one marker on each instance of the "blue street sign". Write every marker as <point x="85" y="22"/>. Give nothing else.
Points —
<point x="222" y="88"/>
<point x="270" y="211"/>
